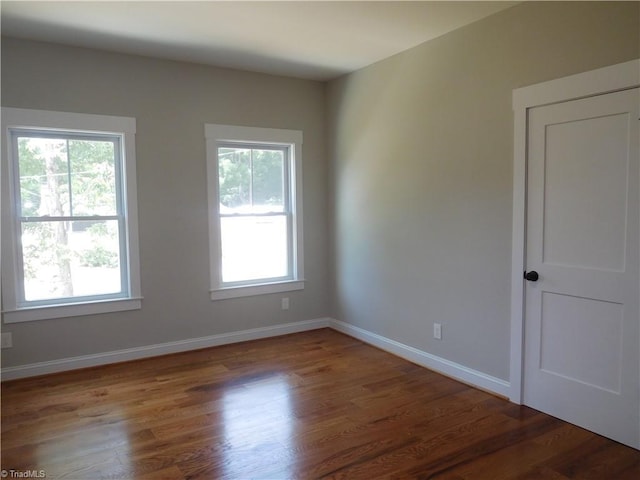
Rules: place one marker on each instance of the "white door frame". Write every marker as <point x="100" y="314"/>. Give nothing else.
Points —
<point x="601" y="81"/>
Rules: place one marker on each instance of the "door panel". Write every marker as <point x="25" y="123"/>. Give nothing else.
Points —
<point x="582" y="321"/>
<point x="585" y="192"/>
<point x="581" y="340"/>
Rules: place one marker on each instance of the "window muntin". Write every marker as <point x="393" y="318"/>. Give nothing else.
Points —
<point x="70" y="213"/>
<point x="255" y="207"/>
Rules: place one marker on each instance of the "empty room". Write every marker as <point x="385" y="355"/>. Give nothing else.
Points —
<point x="333" y="239"/>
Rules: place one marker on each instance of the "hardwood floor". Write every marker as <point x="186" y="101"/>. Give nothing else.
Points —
<point x="311" y="405"/>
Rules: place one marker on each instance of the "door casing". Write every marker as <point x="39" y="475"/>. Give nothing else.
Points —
<point x="596" y="82"/>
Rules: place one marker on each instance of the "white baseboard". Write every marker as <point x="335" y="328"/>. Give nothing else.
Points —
<point x="441" y="365"/>
<point x="424" y="359"/>
<point x="84" y="361"/>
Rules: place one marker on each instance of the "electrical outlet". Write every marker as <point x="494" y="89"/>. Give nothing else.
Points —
<point x="7" y="340"/>
<point x="437" y="331"/>
<point x="285" y="303"/>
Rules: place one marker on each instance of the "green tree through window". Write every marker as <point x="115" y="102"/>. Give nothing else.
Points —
<point x="69" y="208"/>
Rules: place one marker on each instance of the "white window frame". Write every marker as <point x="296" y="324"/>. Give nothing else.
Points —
<point x="254" y="137"/>
<point x="16" y="119"/>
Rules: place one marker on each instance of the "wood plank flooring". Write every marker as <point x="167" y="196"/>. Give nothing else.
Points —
<point x="312" y="405"/>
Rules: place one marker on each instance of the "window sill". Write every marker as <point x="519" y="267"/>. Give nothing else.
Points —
<point x="251" y="290"/>
<point x="71" y="310"/>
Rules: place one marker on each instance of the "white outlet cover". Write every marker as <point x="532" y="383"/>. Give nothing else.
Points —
<point x="437" y="331"/>
<point x="7" y="340"/>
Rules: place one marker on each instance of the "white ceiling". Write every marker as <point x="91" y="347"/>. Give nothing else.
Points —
<point x="306" y="39"/>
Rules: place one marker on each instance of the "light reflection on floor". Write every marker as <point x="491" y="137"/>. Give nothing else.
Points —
<point x="258" y="424"/>
<point x="86" y="453"/>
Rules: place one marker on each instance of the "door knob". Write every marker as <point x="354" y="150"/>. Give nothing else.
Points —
<point x="531" y="276"/>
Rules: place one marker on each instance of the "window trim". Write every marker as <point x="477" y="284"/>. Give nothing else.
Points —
<point x="66" y="122"/>
<point x="217" y="135"/>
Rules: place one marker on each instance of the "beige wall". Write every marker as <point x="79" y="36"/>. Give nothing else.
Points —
<point x="171" y="102"/>
<point x="422" y="150"/>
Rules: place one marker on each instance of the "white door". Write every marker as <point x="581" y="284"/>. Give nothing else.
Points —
<point x="582" y="321"/>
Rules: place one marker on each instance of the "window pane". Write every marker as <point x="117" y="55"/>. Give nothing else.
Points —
<point x="254" y="248"/>
<point x="93" y="177"/>
<point x="47" y="165"/>
<point x="234" y="174"/>
<point x="268" y="180"/>
<point x="44" y="180"/>
<point x="70" y="259"/>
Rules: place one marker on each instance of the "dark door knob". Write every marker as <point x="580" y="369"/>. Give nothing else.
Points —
<point x="532" y="276"/>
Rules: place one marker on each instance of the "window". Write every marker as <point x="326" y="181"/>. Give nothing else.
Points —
<point x="70" y="238"/>
<point x="255" y="210"/>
